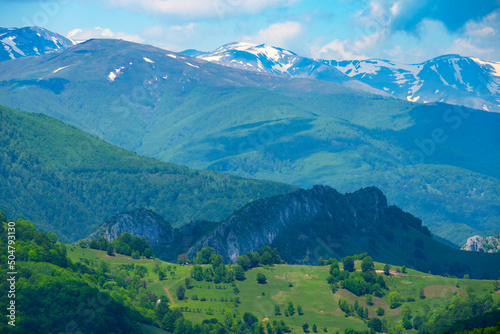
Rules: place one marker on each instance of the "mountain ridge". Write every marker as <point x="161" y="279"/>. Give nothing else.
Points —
<point x="453" y="79"/>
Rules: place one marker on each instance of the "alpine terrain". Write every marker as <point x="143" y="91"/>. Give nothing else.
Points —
<point x="453" y="79"/>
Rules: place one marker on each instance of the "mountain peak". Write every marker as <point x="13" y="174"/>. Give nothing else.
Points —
<point x="30" y="41"/>
<point x="449" y="78"/>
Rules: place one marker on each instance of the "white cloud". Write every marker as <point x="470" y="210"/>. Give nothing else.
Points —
<point x="174" y="38"/>
<point x="336" y="49"/>
<point x="480" y="38"/>
<point x="98" y="32"/>
<point x="396" y="8"/>
<point x="376" y="36"/>
<point x="483" y="31"/>
<point x="350" y="49"/>
<point x="202" y="8"/>
<point x="277" y="34"/>
<point x="465" y="47"/>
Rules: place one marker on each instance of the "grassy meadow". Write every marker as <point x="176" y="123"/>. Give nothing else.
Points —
<point x="302" y="285"/>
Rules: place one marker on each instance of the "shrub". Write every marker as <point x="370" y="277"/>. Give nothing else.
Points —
<point x="261" y="278"/>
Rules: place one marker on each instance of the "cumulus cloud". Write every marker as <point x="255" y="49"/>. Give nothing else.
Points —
<point x="408" y="15"/>
<point x="414" y="31"/>
<point x="277" y="34"/>
<point x="174" y="38"/>
<point x="202" y="8"/>
<point x="336" y="49"/>
<point x="480" y="38"/>
<point x="98" y="32"/>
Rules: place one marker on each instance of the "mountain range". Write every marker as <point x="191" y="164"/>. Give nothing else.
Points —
<point x="453" y="79"/>
<point x="433" y="160"/>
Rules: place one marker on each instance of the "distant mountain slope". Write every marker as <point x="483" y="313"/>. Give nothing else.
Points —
<point x="321" y="222"/>
<point x="268" y="59"/>
<point x="30" y="41"/>
<point x="73" y="181"/>
<point x="434" y="160"/>
<point x="453" y="79"/>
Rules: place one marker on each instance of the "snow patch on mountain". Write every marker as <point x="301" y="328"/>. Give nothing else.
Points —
<point x="450" y="78"/>
<point x="493" y="66"/>
<point x="10" y="42"/>
<point x="60" y="68"/>
<point x="114" y="74"/>
<point x="111" y="76"/>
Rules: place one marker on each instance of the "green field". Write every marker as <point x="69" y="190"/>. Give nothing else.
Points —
<point x="303" y="285"/>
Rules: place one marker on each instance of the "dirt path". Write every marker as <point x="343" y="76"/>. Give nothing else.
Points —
<point x="172" y="301"/>
<point x="169" y="295"/>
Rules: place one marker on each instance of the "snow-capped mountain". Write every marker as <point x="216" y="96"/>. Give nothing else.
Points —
<point x="451" y="79"/>
<point x="30" y="41"/>
<point x="268" y="59"/>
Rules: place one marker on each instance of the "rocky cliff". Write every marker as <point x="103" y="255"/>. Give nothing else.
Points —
<point x="477" y="243"/>
<point x="167" y="242"/>
<point x="140" y="222"/>
<point x="309" y="224"/>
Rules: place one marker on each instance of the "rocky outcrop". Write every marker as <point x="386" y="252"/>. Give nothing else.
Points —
<point x="139" y="222"/>
<point x="307" y="225"/>
<point x="167" y="243"/>
<point x="302" y="224"/>
<point x="477" y="243"/>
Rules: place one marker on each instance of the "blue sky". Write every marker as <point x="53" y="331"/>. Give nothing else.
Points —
<point x="402" y="30"/>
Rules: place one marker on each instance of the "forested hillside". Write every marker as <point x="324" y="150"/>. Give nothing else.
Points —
<point x="71" y="181"/>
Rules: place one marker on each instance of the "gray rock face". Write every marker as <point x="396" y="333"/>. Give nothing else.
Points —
<point x="296" y="222"/>
<point x="474" y="244"/>
<point x="140" y="222"/>
<point x="477" y="243"/>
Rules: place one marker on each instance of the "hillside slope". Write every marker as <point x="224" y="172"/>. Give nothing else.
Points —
<point x="71" y="181"/>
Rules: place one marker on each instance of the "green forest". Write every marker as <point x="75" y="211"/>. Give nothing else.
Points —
<point x="71" y="182"/>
